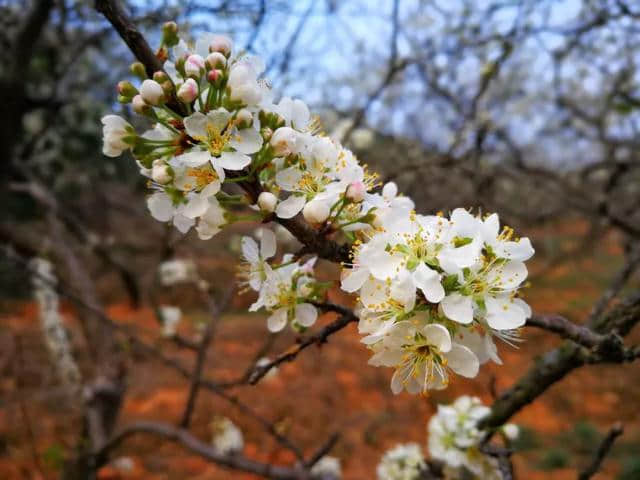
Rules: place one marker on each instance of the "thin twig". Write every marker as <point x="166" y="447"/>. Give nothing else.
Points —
<point x="603" y="450"/>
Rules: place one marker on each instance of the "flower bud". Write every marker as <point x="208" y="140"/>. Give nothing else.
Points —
<point x="316" y="211"/>
<point x="126" y="89"/>
<point x="161" y="174"/>
<point x="214" y="77"/>
<point x="188" y="91"/>
<point x="170" y="34"/>
<point x="222" y="44"/>
<point x="138" y="70"/>
<point x="355" y="192"/>
<point x="266" y="133"/>
<point x="267" y="202"/>
<point x="123" y="99"/>
<point x="162" y="54"/>
<point x="194" y="66"/>
<point x="216" y="60"/>
<point x="151" y="92"/>
<point x="140" y="106"/>
<point x="180" y="66"/>
<point x="244" y="119"/>
<point x="167" y="88"/>
<point x="284" y="141"/>
<point x="160" y="77"/>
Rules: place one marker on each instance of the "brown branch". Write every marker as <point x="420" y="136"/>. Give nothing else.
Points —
<point x="603" y="449"/>
<point x="134" y="39"/>
<point x="556" y="364"/>
<point x="566" y="329"/>
<point x="201" y="355"/>
<point x="318" y="338"/>
<point x="191" y="443"/>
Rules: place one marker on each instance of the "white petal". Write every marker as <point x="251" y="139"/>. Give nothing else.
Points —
<point x="161" y="207"/>
<point x="373" y="293"/>
<point x="233" y="160"/>
<point x="290" y="207"/>
<point x="438" y="336"/>
<point x="218" y="119"/>
<point x="352" y="279"/>
<point x="194" y="158"/>
<point x="196" y="125"/>
<point x="428" y="281"/>
<point x="247" y="140"/>
<point x="278" y="320"/>
<point x="196" y="206"/>
<point x="288" y="179"/>
<point x="462" y="361"/>
<point x="520" y="250"/>
<point x="508" y="276"/>
<point x="267" y="243"/>
<point x="503" y="313"/>
<point x="458" y="308"/>
<point x="249" y="249"/>
<point x="306" y="314"/>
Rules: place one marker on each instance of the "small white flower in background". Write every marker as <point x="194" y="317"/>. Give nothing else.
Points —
<point x="227" y="437"/>
<point x="254" y="270"/>
<point x="177" y="270"/>
<point x="170" y="316"/>
<point x="116" y="133"/>
<point x="327" y="468"/>
<point x="55" y="335"/>
<point x="454" y="439"/>
<point x="511" y="431"/>
<point x="403" y="462"/>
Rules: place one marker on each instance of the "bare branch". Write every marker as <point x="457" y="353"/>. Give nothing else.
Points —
<point x="603" y="449"/>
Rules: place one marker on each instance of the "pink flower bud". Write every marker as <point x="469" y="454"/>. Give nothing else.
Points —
<point x="151" y="91"/>
<point x="216" y="60"/>
<point x="188" y="91"/>
<point x="214" y="76"/>
<point x="222" y="44"/>
<point x="194" y="66"/>
<point x="355" y="191"/>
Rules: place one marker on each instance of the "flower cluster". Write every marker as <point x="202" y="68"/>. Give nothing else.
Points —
<point x="215" y="123"/>
<point x="287" y="289"/>
<point x="403" y="462"/>
<point x="433" y="291"/>
<point x="454" y="439"/>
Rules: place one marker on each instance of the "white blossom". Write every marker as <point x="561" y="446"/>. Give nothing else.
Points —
<point x="227" y="437"/>
<point x="403" y="462"/>
<point x="328" y="468"/>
